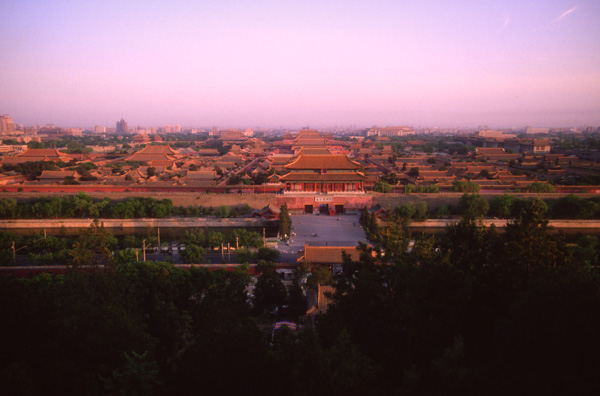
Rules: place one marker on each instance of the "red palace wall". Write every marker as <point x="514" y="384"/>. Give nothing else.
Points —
<point x="350" y="203"/>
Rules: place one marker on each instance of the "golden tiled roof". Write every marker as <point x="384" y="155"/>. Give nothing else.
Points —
<point x="331" y="161"/>
<point x="325" y="177"/>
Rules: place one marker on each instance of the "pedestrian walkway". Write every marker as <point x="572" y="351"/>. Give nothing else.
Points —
<point x="321" y="230"/>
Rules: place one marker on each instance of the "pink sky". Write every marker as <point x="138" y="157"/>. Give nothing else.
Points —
<point x="318" y="63"/>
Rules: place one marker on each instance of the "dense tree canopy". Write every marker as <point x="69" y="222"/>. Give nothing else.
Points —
<point x="472" y="311"/>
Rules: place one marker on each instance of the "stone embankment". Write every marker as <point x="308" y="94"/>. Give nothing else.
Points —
<point x="201" y="222"/>
<point x="557" y="224"/>
<point x="171" y="222"/>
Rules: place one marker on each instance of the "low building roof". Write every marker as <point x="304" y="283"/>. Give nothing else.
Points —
<point x="57" y="174"/>
<point x="328" y="254"/>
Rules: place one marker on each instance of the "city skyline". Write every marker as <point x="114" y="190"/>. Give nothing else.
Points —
<point x="265" y="64"/>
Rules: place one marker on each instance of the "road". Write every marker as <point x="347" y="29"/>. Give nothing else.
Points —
<point x="320" y="230"/>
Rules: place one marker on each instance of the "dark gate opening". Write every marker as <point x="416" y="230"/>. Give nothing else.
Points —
<point x="308" y="209"/>
<point x="339" y="209"/>
<point x="324" y="208"/>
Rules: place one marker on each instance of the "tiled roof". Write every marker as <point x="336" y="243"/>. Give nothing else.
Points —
<point x="20" y="160"/>
<point x="432" y="173"/>
<point x="42" y="153"/>
<point x="323" y="162"/>
<point x="50" y="174"/>
<point x="309" y="142"/>
<point x="157" y="150"/>
<point x="489" y="150"/>
<point x="208" y="152"/>
<point x="315" y="151"/>
<point x="329" y="254"/>
<point x="326" y="177"/>
<point x="209" y="174"/>
<point x="163" y="163"/>
<point x="308" y="133"/>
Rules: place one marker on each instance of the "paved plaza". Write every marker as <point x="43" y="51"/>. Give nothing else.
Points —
<point x="321" y="230"/>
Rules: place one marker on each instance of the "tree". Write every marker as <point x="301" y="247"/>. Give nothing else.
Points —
<point x="473" y="206"/>
<point x="406" y="211"/>
<point x="528" y="246"/>
<point x="35" y="145"/>
<point x="244" y="256"/>
<point x="224" y="211"/>
<point x="234" y="180"/>
<point x="94" y="246"/>
<point x="320" y="275"/>
<point x="267" y="254"/>
<point x="413" y="172"/>
<point x="193" y="254"/>
<point x="465" y="186"/>
<point x="138" y="377"/>
<point x="421" y="211"/>
<point x="539" y="187"/>
<point x="297" y="301"/>
<point x="269" y="292"/>
<point x="382" y="187"/>
<point x="574" y="207"/>
<point x="502" y="206"/>
<point x="151" y="171"/>
<point x="442" y="212"/>
<point x="261" y="178"/>
<point x="224" y="149"/>
<point x="391" y="178"/>
<point x="285" y="222"/>
<point x="243" y="237"/>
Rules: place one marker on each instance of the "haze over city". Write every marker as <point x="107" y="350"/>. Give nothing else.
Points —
<point x="317" y="63"/>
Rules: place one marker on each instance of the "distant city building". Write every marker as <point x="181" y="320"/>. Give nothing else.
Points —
<point x="6" y="124"/>
<point x="122" y="126"/>
<point x="496" y="134"/>
<point x="532" y="130"/>
<point x="72" y="132"/>
<point x="99" y="129"/>
<point x="168" y="128"/>
<point x="176" y="128"/>
<point x="391" y="131"/>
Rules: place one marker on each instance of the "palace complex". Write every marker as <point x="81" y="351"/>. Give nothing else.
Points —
<point x="323" y="174"/>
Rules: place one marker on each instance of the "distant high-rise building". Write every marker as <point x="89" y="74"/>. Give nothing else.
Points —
<point x="6" y="123"/>
<point x="99" y="129"/>
<point x="122" y="126"/>
<point x="176" y="128"/>
<point x="168" y="128"/>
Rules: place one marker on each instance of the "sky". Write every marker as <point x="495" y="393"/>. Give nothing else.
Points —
<point x="321" y="63"/>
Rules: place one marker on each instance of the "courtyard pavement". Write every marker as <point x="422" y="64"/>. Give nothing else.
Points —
<point x="320" y="230"/>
